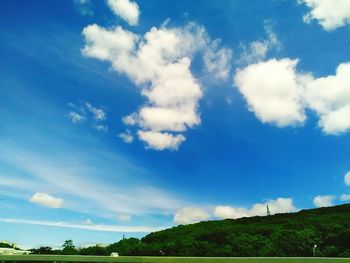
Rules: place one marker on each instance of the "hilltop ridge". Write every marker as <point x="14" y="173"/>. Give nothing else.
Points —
<point x="288" y="234"/>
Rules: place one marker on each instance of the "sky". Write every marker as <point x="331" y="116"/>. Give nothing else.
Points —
<point x="124" y="117"/>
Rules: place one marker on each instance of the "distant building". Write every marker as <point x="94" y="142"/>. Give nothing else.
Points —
<point x="12" y="251"/>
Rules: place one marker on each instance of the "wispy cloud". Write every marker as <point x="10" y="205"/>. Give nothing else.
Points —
<point x="84" y="7"/>
<point x="93" y="227"/>
<point x="76" y="117"/>
<point x="86" y="111"/>
<point x="126" y="136"/>
<point x="98" y="114"/>
<point x="80" y="184"/>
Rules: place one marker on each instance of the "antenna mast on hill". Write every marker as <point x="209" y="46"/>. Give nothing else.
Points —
<point x="268" y="210"/>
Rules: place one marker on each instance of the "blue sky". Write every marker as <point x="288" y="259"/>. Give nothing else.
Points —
<point x="126" y="117"/>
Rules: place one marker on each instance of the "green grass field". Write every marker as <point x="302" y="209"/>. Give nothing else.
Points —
<point x="50" y="258"/>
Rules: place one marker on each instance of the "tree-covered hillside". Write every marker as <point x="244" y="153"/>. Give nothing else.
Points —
<point x="292" y="234"/>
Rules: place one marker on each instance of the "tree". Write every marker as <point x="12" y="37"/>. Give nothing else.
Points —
<point x="6" y="245"/>
<point x="69" y="248"/>
<point x="43" y="250"/>
<point x="93" y="251"/>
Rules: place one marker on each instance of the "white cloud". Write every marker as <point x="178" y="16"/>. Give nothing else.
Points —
<point x="93" y="227"/>
<point x="330" y="98"/>
<point x="108" y="44"/>
<point x="273" y="91"/>
<point x="345" y="197"/>
<point x="99" y="114"/>
<point x="323" y="200"/>
<point x="124" y="217"/>
<point x="46" y="200"/>
<point x="131" y="119"/>
<point x="80" y="184"/>
<point x="223" y="212"/>
<point x="126" y="9"/>
<point x="88" y="222"/>
<point x="161" y="140"/>
<point x="347" y="178"/>
<point x="126" y="137"/>
<point x="167" y="119"/>
<point x="330" y="14"/>
<point x="218" y="63"/>
<point x="159" y="62"/>
<point x="257" y="50"/>
<point x="278" y="94"/>
<point x="279" y="205"/>
<point x="101" y="127"/>
<point x="76" y="117"/>
<point x="190" y="215"/>
<point x="84" y="7"/>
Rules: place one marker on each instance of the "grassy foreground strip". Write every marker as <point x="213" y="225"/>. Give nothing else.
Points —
<point x="57" y="258"/>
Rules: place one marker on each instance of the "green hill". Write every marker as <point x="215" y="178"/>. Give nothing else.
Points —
<point x="290" y="234"/>
<point x="280" y="235"/>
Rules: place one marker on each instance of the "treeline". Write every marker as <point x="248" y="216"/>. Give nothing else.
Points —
<point x="8" y="245"/>
<point x="292" y="234"/>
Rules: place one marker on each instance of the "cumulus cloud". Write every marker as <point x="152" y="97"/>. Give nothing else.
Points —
<point x="273" y="91"/>
<point x="330" y="97"/>
<point x="161" y="140"/>
<point x="159" y="63"/>
<point x="190" y="215"/>
<point x="279" y="205"/>
<point x="126" y="9"/>
<point x="323" y="200"/>
<point x="345" y="197"/>
<point x="46" y="200"/>
<point x="279" y="95"/>
<point x="347" y="178"/>
<point x="223" y="212"/>
<point x="330" y="14"/>
<point x="126" y="136"/>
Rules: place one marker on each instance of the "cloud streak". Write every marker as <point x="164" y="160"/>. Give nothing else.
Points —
<point x="84" y="226"/>
<point x="80" y="184"/>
